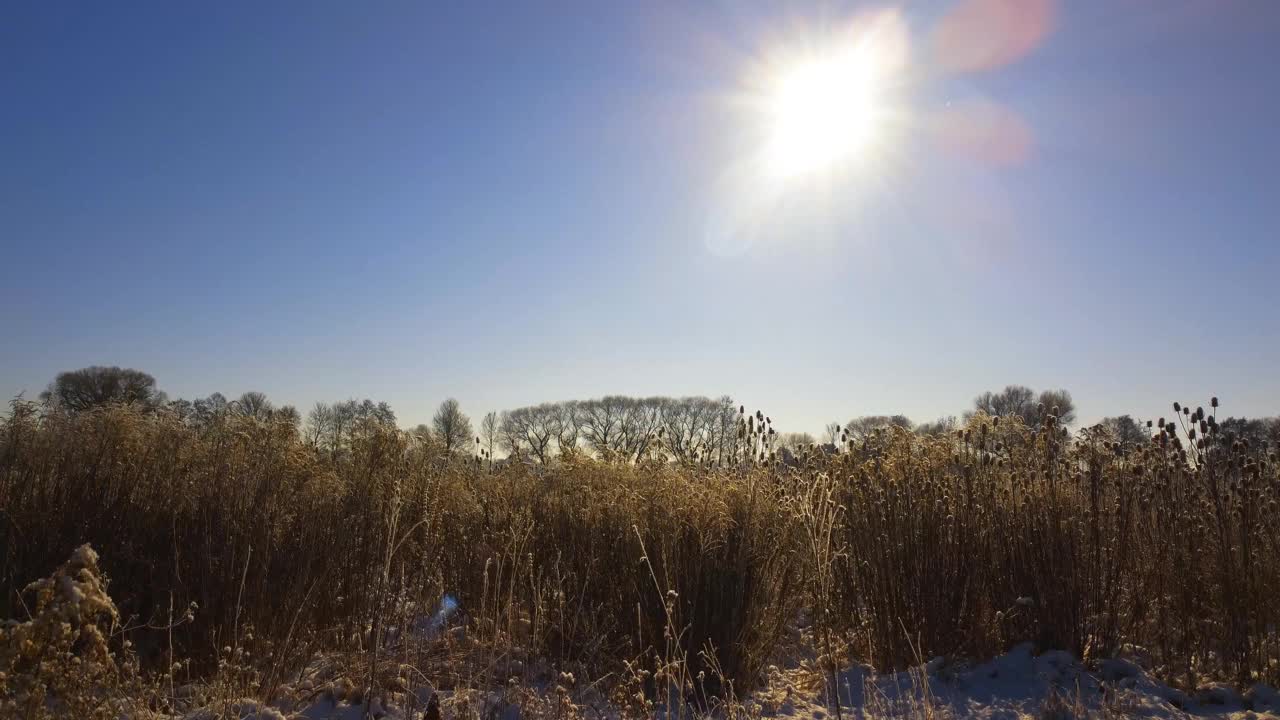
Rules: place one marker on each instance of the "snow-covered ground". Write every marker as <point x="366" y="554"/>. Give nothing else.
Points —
<point x="1018" y="684"/>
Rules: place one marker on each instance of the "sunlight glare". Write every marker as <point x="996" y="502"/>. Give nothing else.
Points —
<point x="826" y="106"/>
<point x="825" y="116"/>
<point x="823" y="113"/>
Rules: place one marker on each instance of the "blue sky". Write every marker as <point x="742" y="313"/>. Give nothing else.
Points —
<point x="518" y="202"/>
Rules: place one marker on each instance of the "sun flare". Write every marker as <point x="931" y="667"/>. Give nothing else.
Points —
<point x="823" y="120"/>
<point x="826" y="107"/>
<point x="823" y="113"/>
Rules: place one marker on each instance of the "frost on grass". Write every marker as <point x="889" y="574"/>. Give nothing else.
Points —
<point x="58" y="662"/>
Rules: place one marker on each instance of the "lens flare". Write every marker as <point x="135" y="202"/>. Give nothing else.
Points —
<point x="824" y="112"/>
<point x="826" y="105"/>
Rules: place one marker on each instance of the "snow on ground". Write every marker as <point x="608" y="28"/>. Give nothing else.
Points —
<point x="1019" y="684"/>
<point x="1015" y="685"/>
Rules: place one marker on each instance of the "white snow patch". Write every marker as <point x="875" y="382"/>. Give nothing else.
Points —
<point x="1018" y="684"/>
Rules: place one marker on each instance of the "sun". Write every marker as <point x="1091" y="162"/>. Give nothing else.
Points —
<point x="817" y="128"/>
<point x="823" y="112"/>
<point x="825" y="108"/>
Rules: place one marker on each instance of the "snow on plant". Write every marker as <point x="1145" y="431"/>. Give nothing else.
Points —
<point x="58" y="663"/>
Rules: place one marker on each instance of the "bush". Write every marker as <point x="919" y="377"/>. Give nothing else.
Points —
<point x="58" y="663"/>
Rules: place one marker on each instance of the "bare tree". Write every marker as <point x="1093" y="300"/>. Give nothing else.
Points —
<point x="254" y="405"/>
<point x="831" y="433"/>
<point x="796" y="442"/>
<point x="287" y="415"/>
<point x="331" y="427"/>
<point x="602" y="424"/>
<point x="318" y="424"/>
<point x="208" y="411"/>
<point x="567" y="422"/>
<point x="1254" y="434"/>
<point x="489" y="435"/>
<point x="510" y="433"/>
<point x="860" y="428"/>
<point x="941" y="426"/>
<point x="1021" y="402"/>
<point x="452" y="426"/>
<point x="1014" y="400"/>
<point x="690" y="425"/>
<point x="691" y="429"/>
<point x="529" y="430"/>
<point x="95" y="386"/>
<point x="1126" y="431"/>
<point x="183" y="410"/>
<point x="723" y="431"/>
<point x="640" y="422"/>
<point x="1057" y="402"/>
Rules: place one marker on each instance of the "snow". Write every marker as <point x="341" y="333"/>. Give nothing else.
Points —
<point x="239" y="710"/>
<point x="83" y="557"/>
<point x="1018" y="684"/>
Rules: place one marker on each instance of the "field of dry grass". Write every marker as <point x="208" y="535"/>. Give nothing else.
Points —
<point x="238" y="558"/>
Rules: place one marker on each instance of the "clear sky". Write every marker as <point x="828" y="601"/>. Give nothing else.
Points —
<point x="519" y="202"/>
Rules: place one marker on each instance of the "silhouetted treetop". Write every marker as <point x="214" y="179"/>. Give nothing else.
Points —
<point x="1022" y="402"/>
<point x="96" y="386"/>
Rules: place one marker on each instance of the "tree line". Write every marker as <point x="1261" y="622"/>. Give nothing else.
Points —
<point x="627" y="429"/>
<point x="615" y="428"/>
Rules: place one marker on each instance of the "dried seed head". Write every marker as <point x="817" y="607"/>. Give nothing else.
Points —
<point x="1213" y="401"/>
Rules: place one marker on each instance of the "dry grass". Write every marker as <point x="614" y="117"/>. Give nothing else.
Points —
<point x="650" y="579"/>
<point x="965" y="545"/>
